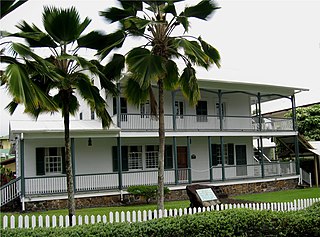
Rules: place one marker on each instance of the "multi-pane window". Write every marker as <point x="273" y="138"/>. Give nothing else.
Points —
<point x="228" y="154"/>
<point x="202" y="111"/>
<point x="152" y="155"/>
<point x="53" y="160"/>
<point x="219" y="156"/>
<point x="135" y="157"/>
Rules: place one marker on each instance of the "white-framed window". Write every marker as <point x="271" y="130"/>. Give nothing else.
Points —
<point x="179" y="108"/>
<point x="135" y="158"/>
<point x="219" y="156"/>
<point x="53" y="160"/>
<point x="145" y="109"/>
<point x="152" y="155"/>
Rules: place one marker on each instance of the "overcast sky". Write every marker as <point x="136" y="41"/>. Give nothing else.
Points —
<point x="271" y="42"/>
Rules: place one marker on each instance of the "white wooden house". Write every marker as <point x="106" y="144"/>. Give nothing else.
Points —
<point x="212" y="142"/>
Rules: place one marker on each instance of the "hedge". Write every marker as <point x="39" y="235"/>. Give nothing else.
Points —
<point x="235" y="222"/>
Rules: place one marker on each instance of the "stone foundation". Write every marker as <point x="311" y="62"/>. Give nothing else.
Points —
<point x="231" y="189"/>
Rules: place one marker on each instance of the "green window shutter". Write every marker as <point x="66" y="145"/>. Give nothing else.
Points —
<point x="40" y="163"/>
<point x="115" y="159"/>
<point x="63" y="154"/>
<point x="214" y="148"/>
<point x="168" y="157"/>
<point x="230" y="154"/>
<point x="124" y="153"/>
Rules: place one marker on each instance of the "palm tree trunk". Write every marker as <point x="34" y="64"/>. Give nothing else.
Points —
<point x="160" y="191"/>
<point x="70" y="189"/>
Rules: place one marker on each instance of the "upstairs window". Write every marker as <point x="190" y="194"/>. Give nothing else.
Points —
<point x="202" y="111"/>
<point x="179" y="108"/>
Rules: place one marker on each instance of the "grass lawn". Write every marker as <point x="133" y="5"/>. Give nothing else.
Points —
<point x="281" y="196"/>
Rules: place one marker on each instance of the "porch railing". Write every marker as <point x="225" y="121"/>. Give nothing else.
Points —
<point x="10" y="191"/>
<point x="109" y="181"/>
<point x="305" y="177"/>
<point x="146" y="122"/>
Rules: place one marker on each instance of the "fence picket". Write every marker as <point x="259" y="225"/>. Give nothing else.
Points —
<point x="63" y="221"/>
<point x="26" y="221"/>
<point x="33" y="221"/>
<point x="20" y="221"/>
<point x="12" y="222"/>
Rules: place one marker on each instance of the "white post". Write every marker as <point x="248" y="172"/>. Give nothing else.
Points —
<point x="310" y="180"/>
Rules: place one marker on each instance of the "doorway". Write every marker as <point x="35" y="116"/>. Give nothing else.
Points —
<point x="182" y="157"/>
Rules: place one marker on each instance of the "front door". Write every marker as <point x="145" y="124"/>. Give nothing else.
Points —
<point x="241" y="160"/>
<point x="182" y="156"/>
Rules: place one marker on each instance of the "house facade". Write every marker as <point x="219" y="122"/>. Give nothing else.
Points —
<point x="210" y="143"/>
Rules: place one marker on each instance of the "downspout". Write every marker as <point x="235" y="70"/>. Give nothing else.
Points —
<point x="23" y="190"/>
<point x="296" y="139"/>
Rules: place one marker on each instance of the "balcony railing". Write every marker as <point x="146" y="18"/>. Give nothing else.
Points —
<point x="143" y="122"/>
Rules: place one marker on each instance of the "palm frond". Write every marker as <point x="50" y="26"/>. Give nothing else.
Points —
<point x="63" y="25"/>
<point x="134" y="93"/>
<point x="8" y="6"/>
<point x="210" y="51"/>
<point x="146" y="66"/>
<point x="114" y="14"/>
<point x="91" y="95"/>
<point x="171" y="80"/>
<point x="202" y="10"/>
<point x="189" y="85"/>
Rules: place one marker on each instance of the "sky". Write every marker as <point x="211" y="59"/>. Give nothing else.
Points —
<point x="273" y="42"/>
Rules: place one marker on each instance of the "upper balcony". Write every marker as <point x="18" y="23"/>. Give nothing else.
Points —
<point x="139" y="122"/>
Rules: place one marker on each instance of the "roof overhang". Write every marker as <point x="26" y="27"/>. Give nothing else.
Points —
<point x="55" y="129"/>
<point x="267" y="92"/>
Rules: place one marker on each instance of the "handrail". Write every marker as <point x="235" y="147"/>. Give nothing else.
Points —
<point x="10" y="191"/>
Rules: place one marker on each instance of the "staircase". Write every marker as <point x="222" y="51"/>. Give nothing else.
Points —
<point x="10" y="191"/>
<point x="305" y="179"/>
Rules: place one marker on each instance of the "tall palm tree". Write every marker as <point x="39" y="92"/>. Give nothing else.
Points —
<point x="52" y="83"/>
<point x="154" y="62"/>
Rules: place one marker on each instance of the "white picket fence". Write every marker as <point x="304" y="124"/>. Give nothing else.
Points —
<point x="138" y="216"/>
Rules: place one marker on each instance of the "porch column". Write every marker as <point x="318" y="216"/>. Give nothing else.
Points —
<point x="23" y="190"/>
<point x="296" y="139"/>
<point x="316" y="170"/>
<point x="210" y="159"/>
<point x="174" y="122"/>
<point x="259" y="112"/>
<point x="261" y="157"/>
<point x="119" y="158"/>
<point x="175" y="160"/>
<point x="222" y="158"/>
<point x="118" y="104"/>
<point x="189" y="160"/>
<point x="296" y="151"/>
<point x="220" y="109"/>
<point x="73" y="165"/>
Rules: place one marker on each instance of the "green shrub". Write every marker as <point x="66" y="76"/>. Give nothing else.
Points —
<point x="148" y="192"/>
<point x="235" y="222"/>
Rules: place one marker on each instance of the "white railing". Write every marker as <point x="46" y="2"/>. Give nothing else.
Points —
<point x="146" y="178"/>
<point x="27" y="221"/>
<point x="45" y="185"/>
<point x="91" y="182"/>
<point x="10" y="191"/>
<point x="305" y="177"/>
<point x="144" y="122"/>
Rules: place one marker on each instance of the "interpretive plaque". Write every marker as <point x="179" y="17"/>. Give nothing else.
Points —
<point x="206" y="194"/>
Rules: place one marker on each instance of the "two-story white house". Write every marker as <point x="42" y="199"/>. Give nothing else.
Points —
<point x="210" y="143"/>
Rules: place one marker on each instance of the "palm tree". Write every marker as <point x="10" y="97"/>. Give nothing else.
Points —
<point x="31" y="79"/>
<point x="154" y="62"/>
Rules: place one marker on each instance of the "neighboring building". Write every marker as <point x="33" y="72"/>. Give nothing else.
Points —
<point x="211" y="143"/>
